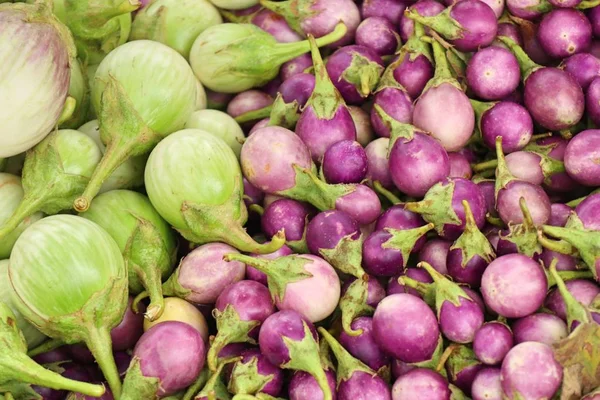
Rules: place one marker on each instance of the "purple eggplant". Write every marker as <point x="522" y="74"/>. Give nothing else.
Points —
<point x="378" y="164"/>
<point x="487" y="385"/>
<point x="425" y="8"/>
<point x="493" y="121"/>
<point x="467" y="24"/>
<point x="592" y="100"/>
<point x="435" y="253"/>
<point x="390" y="9"/>
<point x="514" y="286"/>
<point x="255" y="374"/>
<point x="552" y="96"/>
<point x="125" y="335"/>
<point x="303" y="283"/>
<point x="528" y="9"/>
<point x="584" y="67"/>
<point x="289" y="340"/>
<point x="581" y="157"/>
<point x="356" y="381"/>
<point x="581" y="290"/>
<point x="510" y="30"/>
<point x="345" y="162"/>
<point x="304" y="387"/>
<point x="406" y="328"/>
<point x="252" y="195"/>
<point x="247" y="102"/>
<point x="416" y="274"/>
<point x="378" y="34"/>
<point x="364" y="346"/>
<point x="460" y="167"/>
<point x="421" y="383"/>
<point x="272" y="23"/>
<point x="492" y="341"/>
<point x="295" y="66"/>
<point x="558" y="42"/>
<point x="297" y="88"/>
<point x="559" y="214"/>
<point x="391" y="101"/>
<point x="530" y="371"/>
<point x="493" y="73"/>
<point x="291" y="216"/>
<point x="462" y="366"/>
<point x="255" y="275"/>
<point x="167" y="358"/>
<point x="540" y="327"/>
<point x="362" y="122"/>
<point x="239" y="311"/>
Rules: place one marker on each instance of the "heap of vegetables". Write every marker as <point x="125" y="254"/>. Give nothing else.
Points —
<point x="299" y="199"/>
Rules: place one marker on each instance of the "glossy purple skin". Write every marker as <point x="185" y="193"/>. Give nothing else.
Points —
<point x="397" y="217"/>
<point x="475" y="296"/>
<point x="286" y="323"/>
<point x="418" y="164"/>
<point x="470" y="273"/>
<point x="272" y="171"/>
<point x="559" y="214"/>
<point x="276" y="25"/>
<point x="287" y="214"/>
<point x="421" y="383"/>
<point x="375" y="290"/>
<point x="565" y="261"/>
<point x="362" y="204"/>
<point x="304" y="387"/>
<point x="417" y="274"/>
<point x="251" y="301"/>
<point x="319" y="134"/>
<point x="400" y="368"/>
<point x="487" y="385"/>
<point x="256" y="196"/>
<point x="377" y="162"/>
<point x="459" y="166"/>
<point x="510" y="30"/>
<point x="446" y="112"/>
<point x="377" y="34"/>
<point x="53" y="356"/>
<point x="492" y="342"/>
<point x="394" y="102"/>
<point x="588" y="212"/>
<point x="435" y="253"/>
<point x="173" y="352"/>
<point x="247" y="101"/>
<point x="525" y="9"/>
<point x="514" y="286"/>
<point x="540" y="327"/>
<point x="81" y="354"/>
<point x="564" y="32"/>
<point x="414" y="74"/>
<point x="362" y="122"/>
<point x="328" y="228"/>
<point x="298" y="87"/>
<point x="489" y="193"/>
<point x="426" y="8"/>
<point x="581" y="157"/>
<point x="525" y="165"/>
<point x="493" y="73"/>
<point x="592" y="101"/>
<point x="378" y="260"/>
<point x="260" y="124"/>
<point x="584" y="67"/>
<point x="530" y="370"/>
<point x="326" y="14"/>
<point x="295" y="66"/>
<point x="465" y="377"/>
<point x="582" y="290"/>
<point x="271" y="87"/>
<point x="406" y="328"/>
<point x="340" y="61"/>
<point x="345" y="162"/>
<point x="204" y="272"/>
<point x="125" y="335"/>
<point x="390" y="9"/>
<point x="509" y="120"/>
<point x="364" y="346"/>
<point x="554" y="98"/>
<point x="364" y="386"/>
<point x="122" y="360"/>
<point x="459" y="323"/>
<point x="260" y="277"/>
<point x="537" y="200"/>
<point x="479" y="24"/>
<point x="265" y="368"/>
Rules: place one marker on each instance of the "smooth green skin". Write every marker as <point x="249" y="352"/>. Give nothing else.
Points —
<point x="201" y="99"/>
<point x="176" y="23"/>
<point x="79" y="155"/>
<point x="234" y="4"/>
<point x="130" y="174"/>
<point x="33" y="337"/>
<point x="79" y="90"/>
<point x="190" y="165"/>
<point x="219" y="124"/>
<point x="157" y="80"/>
<point x="11" y="194"/>
<point x="118" y="213"/>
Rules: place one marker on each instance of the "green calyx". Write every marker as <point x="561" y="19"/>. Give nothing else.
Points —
<point x="284" y="114"/>
<point x="55" y="172"/>
<point x="294" y="11"/>
<point x="171" y="287"/>
<point x="387" y="79"/>
<point x="207" y="223"/>
<point x="346" y="257"/>
<point x="575" y="311"/>
<point x="125" y="135"/>
<point x="398" y="130"/>
<point x="232" y="16"/>
<point x="525" y="235"/>
<point x="404" y="240"/>
<point x="195" y="387"/>
<point x="255" y="115"/>
<point x="528" y="66"/>
<point x="442" y="23"/>
<point x="460" y="358"/>
<point x="215" y="389"/>
<point x="472" y="242"/>
<point x="436" y="206"/>
<point x="481" y="108"/>
<point x="457" y="394"/>
<point x="445" y="289"/>
<point x="414" y="46"/>
<point x="363" y="74"/>
<point x="443" y="71"/>
<point x="304" y="356"/>
<point x="503" y="174"/>
<point x="245" y="378"/>
<point x="257" y="396"/>
<point x="427" y="290"/>
<point x="586" y="241"/>
<point x="438" y="359"/>
<point x="136" y="385"/>
<point x="550" y="166"/>
<point x="325" y="99"/>
<point x="230" y="329"/>
<point x="16" y="368"/>
<point x="353" y="304"/>
<point x="280" y="271"/>
<point x="313" y="190"/>
<point x="347" y="365"/>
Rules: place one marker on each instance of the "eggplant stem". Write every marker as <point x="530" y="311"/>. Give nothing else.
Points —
<point x="99" y="343"/>
<point x="136" y="301"/>
<point x="68" y="110"/>
<point x="153" y="284"/>
<point x="26" y="208"/>
<point x="391" y="197"/>
<point x="484" y="166"/>
<point x="45" y="347"/>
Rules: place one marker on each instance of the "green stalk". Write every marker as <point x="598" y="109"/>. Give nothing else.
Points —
<point x="99" y="343"/>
